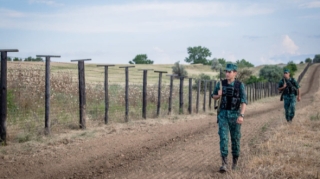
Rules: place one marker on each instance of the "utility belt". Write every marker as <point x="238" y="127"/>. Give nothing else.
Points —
<point x="230" y="103"/>
<point x="291" y="90"/>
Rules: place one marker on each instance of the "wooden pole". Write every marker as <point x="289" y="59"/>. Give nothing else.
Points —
<point x="190" y="96"/>
<point x="106" y="92"/>
<point x="3" y="95"/>
<point x="210" y="91"/>
<point x="198" y="96"/>
<point x="126" y="96"/>
<point x="159" y="91"/>
<point x="205" y="95"/>
<point x="144" y="92"/>
<point x="215" y="101"/>
<point x="181" y="95"/>
<point x="170" y="93"/>
<point x="47" y="93"/>
<point x="82" y="92"/>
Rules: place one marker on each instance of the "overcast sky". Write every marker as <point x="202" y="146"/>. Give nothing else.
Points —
<point x="115" y="31"/>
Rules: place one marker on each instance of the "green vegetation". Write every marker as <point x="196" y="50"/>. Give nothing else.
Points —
<point x="179" y="69"/>
<point x="292" y="67"/>
<point x="272" y="73"/>
<point x="198" y="55"/>
<point x="141" y="59"/>
<point x="316" y="58"/>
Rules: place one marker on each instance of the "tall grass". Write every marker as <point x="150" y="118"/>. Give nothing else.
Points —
<point x="26" y="110"/>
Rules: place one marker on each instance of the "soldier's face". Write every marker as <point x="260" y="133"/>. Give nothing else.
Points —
<point x="231" y="74"/>
<point x="286" y="75"/>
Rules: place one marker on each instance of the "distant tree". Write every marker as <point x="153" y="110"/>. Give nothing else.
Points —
<point x="308" y="60"/>
<point x="9" y="59"/>
<point x="179" y="69"/>
<point x="243" y="63"/>
<point x="202" y="77"/>
<point x="215" y="65"/>
<point x="316" y="58"/>
<point x="141" y="59"/>
<point x="254" y="79"/>
<point x="198" y="55"/>
<point x="30" y="59"/>
<point x="244" y="74"/>
<point x="301" y="62"/>
<point x="223" y="62"/>
<point x="17" y="59"/>
<point x="292" y="67"/>
<point x="272" y="73"/>
<point x="221" y="75"/>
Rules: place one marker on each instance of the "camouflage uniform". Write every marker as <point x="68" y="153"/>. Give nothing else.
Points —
<point x="289" y="99"/>
<point x="228" y="123"/>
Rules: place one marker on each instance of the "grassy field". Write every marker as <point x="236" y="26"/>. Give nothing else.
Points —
<point x="117" y="75"/>
<point x="26" y="86"/>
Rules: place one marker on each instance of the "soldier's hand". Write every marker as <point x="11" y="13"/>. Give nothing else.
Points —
<point x="285" y="85"/>
<point x="240" y="120"/>
<point x="220" y="92"/>
<point x="298" y="98"/>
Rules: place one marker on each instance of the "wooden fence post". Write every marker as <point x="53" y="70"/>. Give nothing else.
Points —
<point x="106" y="93"/>
<point x="170" y="93"/>
<point x="210" y="92"/>
<point x="144" y="92"/>
<point x="82" y="92"/>
<point x="3" y="95"/>
<point x="190" y="96"/>
<point x="126" y="97"/>
<point x="214" y="86"/>
<point x="159" y="91"/>
<point x="47" y="93"/>
<point x="205" y="95"/>
<point x="181" y="95"/>
<point x="198" y="96"/>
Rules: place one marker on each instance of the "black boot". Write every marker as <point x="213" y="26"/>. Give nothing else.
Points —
<point x="224" y="166"/>
<point x="234" y="162"/>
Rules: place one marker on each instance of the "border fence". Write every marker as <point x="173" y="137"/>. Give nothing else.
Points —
<point x="36" y="101"/>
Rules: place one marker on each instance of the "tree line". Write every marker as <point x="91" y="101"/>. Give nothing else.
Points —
<point x="28" y="59"/>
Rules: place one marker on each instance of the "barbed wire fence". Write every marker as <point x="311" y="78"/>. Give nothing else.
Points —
<point x="179" y="95"/>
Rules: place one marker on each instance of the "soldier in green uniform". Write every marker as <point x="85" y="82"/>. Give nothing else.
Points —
<point x="291" y="92"/>
<point x="230" y="117"/>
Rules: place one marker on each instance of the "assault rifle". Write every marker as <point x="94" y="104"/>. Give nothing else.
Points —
<point x="219" y="100"/>
<point x="281" y="91"/>
<point x="289" y="85"/>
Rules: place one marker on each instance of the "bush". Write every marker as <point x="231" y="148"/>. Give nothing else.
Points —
<point x="202" y="77"/>
<point x="254" y="79"/>
<point x="244" y="74"/>
<point x="179" y="69"/>
<point x="292" y="67"/>
<point x="272" y="73"/>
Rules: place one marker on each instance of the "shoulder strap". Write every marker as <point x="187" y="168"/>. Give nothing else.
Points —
<point x="224" y="82"/>
<point x="237" y="84"/>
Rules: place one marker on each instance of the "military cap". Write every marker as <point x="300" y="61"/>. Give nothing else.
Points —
<point x="231" y="67"/>
<point x="286" y="70"/>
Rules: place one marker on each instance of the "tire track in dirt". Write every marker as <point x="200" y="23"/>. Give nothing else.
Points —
<point x="197" y="155"/>
<point x="182" y="150"/>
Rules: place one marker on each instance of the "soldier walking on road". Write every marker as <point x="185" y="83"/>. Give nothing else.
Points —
<point x="230" y="116"/>
<point x="290" y="93"/>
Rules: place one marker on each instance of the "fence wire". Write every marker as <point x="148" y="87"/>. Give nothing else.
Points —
<point x="26" y="91"/>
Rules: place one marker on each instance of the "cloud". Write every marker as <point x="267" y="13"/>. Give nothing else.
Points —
<point x="252" y="37"/>
<point x="46" y="2"/>
<point x="10" y="13"/>
<point x="133" y="17"/>
<point x="288" y="46"/>
<point x="157" y="49"/>
<point x="313" y="4"/>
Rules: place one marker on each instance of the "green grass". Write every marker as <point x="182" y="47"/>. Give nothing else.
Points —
<point x="315" y="117"/>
